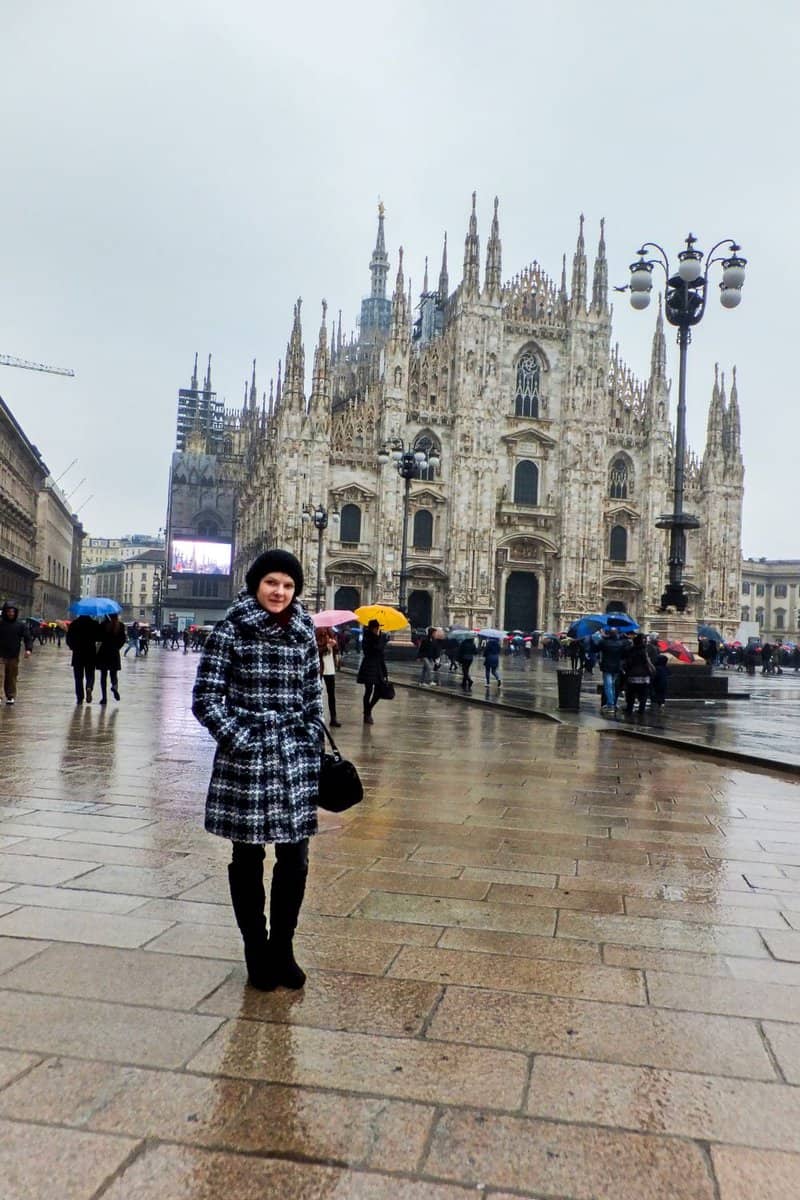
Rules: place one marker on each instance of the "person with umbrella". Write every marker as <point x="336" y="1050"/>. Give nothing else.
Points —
<point x="82" y="638"/>
<point x="427" y="654"/>
<point x="328" y="648"/>
<point x="112" y="639"/>
<point x="372" y="672"/>
<point x="13" y="634"/>
<point x="258" y="693"/>
<point x="466" y="654"/>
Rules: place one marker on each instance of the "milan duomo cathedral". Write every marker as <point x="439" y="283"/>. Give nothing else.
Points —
<point x="555" y="461"/>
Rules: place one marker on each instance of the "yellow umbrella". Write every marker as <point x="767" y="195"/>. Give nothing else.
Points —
<point x="390" y="619"/>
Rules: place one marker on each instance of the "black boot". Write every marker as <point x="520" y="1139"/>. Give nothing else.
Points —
<point x="286" y="898"/>
<point x="246" y="882"/>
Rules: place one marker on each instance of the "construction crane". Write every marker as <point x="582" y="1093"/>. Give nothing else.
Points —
<point x="7" y="361"/>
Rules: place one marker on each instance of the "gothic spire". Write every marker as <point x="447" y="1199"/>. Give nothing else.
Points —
<point x="716" y="415"/>
<point x="294" y="381"/>
<point x="253" y="393"/>
<point x="494" y="265"/>
<point x="472" y="255"/>
<point x="194" y="374"/>
<point x="658" y="355"/>
<point x="578" y="290"/>
<point x="278" y="387"/>
<point x="444" y="284"/>
<point x="379" y="263"/>
<point x="207" y="381"/>
<point x="319" y="379"/>
<point x="600" y="281"/>
<point x="562" y="291"/>
<point x="399" y="308"/>
<point x="733" y="427"/>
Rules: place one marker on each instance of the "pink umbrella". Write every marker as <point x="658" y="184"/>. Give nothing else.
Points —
<point x="332" y="616"/>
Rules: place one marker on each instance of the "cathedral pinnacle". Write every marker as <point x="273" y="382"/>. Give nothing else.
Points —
<point x="399" y="308"/>
<point x="579" y="271"/>
<point x="207" y="381"/>
<point x="379" y="263"/>
<point x="600" y="281"/>
<point x="658" y="356"/>
<point x="494" y="268"/>
<point x="444" y="284"/>
<point x="194" y="374"/>
<point x="472" y="254"/>
<point x="253" y="393"/>
<point x="319" y="382"/>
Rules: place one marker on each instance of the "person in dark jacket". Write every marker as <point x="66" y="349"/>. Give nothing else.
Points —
<point x="612" y="654"/>
<point x="13" y="634"/>
<point x="427" y="655"/>
<point x="82" y="638"/>
<point x="372" y="669"/>
<point x="659" y="681"/>
<point x="258" y="694"/>
<point x="639" y="671"/>
<point x="109" y="663"/>
<point x="491" y="660"/>
<point x="466" y="653"/>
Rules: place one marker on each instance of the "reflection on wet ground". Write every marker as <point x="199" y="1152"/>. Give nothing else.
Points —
<point x="762" y="728"/>
<point x="542" y="963"/>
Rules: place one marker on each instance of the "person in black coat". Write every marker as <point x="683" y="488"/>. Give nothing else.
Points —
<point x="13" y="633"/>
<point x="112" y="638"/>
<point x="82" y="638"/>
<point x="466" y="653"/>
<point x="372" y="671"/>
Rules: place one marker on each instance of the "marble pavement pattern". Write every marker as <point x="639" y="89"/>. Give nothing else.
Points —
<point x="542" y="963"/>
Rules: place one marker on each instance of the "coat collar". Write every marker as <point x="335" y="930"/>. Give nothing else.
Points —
<point x="248" y="614"/>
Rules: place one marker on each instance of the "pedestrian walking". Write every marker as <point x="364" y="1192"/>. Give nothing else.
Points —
<point x="466" y="653"/>
<point x="258" y="693"/>
<point x="133" y="640"/>
<point x="491" y="661"/>
<point x="13" y="635"/>
<point x="427" y="655"/>
<point x="82" y="638"/>
<point x="328" y="647"/>
<point x="109" y="663"/>
<point x="372" y="668"/>
<point x="639" y="671"/>
<point x="612" y="654"/>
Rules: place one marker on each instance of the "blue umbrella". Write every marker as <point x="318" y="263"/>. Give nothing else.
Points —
<point x="492" y="633"/>
<point x="586" y="626"/>
<point x="709" y="632"/>
<point x="94" y="606"/>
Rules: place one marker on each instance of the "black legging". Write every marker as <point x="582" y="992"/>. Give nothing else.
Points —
<point x="291" y="855"/>
<point x="330" y="688"/>
<point x="105" y="672"/>
<point x="371" y="697"/>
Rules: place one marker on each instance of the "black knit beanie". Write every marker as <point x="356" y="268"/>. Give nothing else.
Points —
<point x="274" y="560"/>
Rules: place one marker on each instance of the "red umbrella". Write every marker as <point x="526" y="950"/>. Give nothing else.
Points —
<point x="679" y="651"/>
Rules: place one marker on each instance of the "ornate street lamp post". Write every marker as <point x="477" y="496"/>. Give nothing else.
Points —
<point x="408" y="462"/>
<point x="320" y="517"/>
<point x="684" y="306"/>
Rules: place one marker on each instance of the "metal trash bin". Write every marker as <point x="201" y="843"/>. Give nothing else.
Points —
<point x="569" y="689"/>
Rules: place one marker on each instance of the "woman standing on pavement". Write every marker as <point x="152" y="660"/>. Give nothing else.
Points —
<point x="328" y="647"/>
<point x="112" y="639"/>
<point x="372" y="671"/>
<point x="258" y="693"/>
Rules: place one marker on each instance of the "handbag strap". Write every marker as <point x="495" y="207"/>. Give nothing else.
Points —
<point x="329" y="736"/>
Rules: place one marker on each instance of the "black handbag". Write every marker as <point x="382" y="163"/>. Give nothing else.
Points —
<point x="384" y="689"/>
<point x="339" y="784"/>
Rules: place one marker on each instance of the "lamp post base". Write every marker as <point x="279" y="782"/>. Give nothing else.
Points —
<point x="671" y="626"/>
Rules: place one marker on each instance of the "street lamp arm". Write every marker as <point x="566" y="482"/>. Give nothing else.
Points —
<point x="734" y="246"/>
<point x="663" y="261"/>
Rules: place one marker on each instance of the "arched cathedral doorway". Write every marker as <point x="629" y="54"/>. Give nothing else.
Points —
<point x="522" y="601"/>
<point x="347" y="597"/>
<point x="616" y="606"/>
<point x="420" y="608"/>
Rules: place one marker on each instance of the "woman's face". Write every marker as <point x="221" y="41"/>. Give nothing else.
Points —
<point x="275" y="592"/>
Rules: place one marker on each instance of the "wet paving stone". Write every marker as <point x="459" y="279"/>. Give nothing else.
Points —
<point x="556" y="963"/>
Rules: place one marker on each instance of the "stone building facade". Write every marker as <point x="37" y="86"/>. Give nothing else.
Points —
<point x="22" y="474"/>
<point x="770" y="596"/>
<point x="556" y="461"/>
<point x="58" y="549"/>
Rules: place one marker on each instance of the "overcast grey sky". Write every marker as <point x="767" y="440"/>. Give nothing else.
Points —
<point x="176" y="172"/>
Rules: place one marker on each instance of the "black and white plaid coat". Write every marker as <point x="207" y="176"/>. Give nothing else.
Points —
<point x="258" y="693"/>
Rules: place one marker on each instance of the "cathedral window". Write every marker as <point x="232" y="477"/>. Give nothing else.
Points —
<point x="745" y="590"/>
<point x="350" y="527"/>
<point x="526" y="484"/>
<point x="780" y="618"/>
<point x="527" y="389"/>
<point x="760" y="616"/>
<point x="423" y="529"/>
<point x="618" y="480"/>
<point x="618" y="544"/>
<point x="208" y="529"/>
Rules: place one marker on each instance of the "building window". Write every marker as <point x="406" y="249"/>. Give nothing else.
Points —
<point x="745" y="589"/>
<point x="350" y="525"/>
<point x="780" y="618"/>
<point x="618" y="544"/>
<point x="618" y="480"/>
<point x="746" y="612"/>
<point x="760" y="616"/>
<point x="208" y="529"/>
<point x="759" y="589"/>
<point x="780" y="590"/>
<point x="526" y="483"/>
<point x="527" y="389"/>
<point x="423" y="529"/>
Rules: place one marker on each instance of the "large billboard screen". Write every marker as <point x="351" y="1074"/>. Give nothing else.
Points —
<point x="200" y="558"/>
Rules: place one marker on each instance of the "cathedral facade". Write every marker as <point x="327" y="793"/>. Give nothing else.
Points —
<point x="555" y="461"/>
